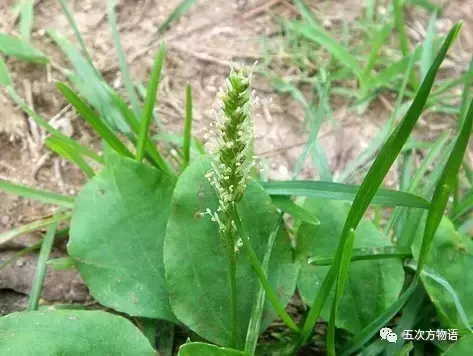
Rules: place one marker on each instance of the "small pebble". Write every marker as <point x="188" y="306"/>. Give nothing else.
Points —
<point x="4" y="220"/>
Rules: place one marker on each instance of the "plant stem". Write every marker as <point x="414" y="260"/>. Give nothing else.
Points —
<point x="44" y="253"/>
<point x="230" y="242"/>
<point x="261" y="275"/>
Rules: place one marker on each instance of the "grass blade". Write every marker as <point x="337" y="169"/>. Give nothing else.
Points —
<point x="36" y="225"/>
<point x="18" y="48"/>
<point x="56" y="133"/>
<point x="26" y="19"/>
<point x="149" y="106"/>
<point x="318" y="35"/>
<point x="364" y="254"/>
<point x="98" y="125"/>
<point x="427" y="51"/>
<point x="180" y="10"/>
<point x="284" y="203"/>
<point x="76" y="31"/>
<point x="379" y="39"/>
<point x="401" y="27"/>
<point x="444" y="187"/>
<point x="272" y="296"/>
<point x="254" y="325"/>
<point x="337" y="191"/>
<point x="188" y="128"/>
<point x="365" y="194"/>
<point x="427" y="272"/>
<point x="64" y="150"/>
<point x="367" y="333"/>
<point x="41" y="267"/>
<point x="36" y="194"/>
<point x="112" y="18"/>
<point x="5" y="78"/>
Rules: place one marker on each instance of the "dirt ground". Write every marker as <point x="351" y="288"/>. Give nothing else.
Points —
<point x="201" y="48"/>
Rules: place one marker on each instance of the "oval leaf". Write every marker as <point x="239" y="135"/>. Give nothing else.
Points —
<point x="196" y="263"/>
<point x="117" y="235"/>
<point x="373" y="284"/>
<point x="71" y="332"/>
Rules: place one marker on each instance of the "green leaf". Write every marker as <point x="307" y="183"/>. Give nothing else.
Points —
<point x="26" y="19"/>
<point x="18" y="48"/>
<point x="5" y="78"/>
<point x="201" y="349"/>
<point x="337" y="191"/>
<point x="36" y="194"/>
<point x="196" y="263"/>
<point x="288" y="206"/>
<point x="71" y="332"/>
<point x="180" y="10"/>
<point x="89" y="115"/>
<point x="117" y="234"/>
<point x="127" y="81"/>
<point x="374" y="284"/>
<point x="450" y="258"/>
<point x="36" y="225"/>
<point x="61" y="264"/>
<point x="40" y="274"/>
<point x="462" y="347"/>
<point x="317" y="34"/>
<point x="188" y="127"/>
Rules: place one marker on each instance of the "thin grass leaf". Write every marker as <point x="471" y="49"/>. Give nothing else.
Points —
<point x="364" y="254"/>
<point x="26" y="19"/>
<point x="408" y="318"/>
<point x="142" y="92"/>
<point x="41" y="267"/>
<point x="254" y="324"/>
<point x="188" y="128"/>
<point x="112" y="18"/>
<point x="306" y="14"/>
<point x="56" y="133"/>
<point x="98" y="125"/>
<point x="284" y="203"/>
<point x="5" y="78"/>
<point x="76" y="31"/>
<point x="377" y="142"/>
<point x="427" y="272"/>
<point x="401" y="26"/>
<point x="427" y="51"/>
<point x="8" y="235"/>
<point x="468" y="81"/>
<point x="64" y="150"/>
<point x="20" y="253"/>
<point x="61" y="264"/>
<point x="272" y="296"/>
<point x="318" y="35"/>
<point x="437" y="149"/>
<point x="21" y="49"/>
<point x="379" y="39"/>
<point x="365" y="194"/>
<point x="368" y="332"/>
<point x="337" y="191"/>
<point x="444" y="187"/>
<point x="179" y="11"/>
<point x="37" y="194"/>
<point x="149" y="106"/>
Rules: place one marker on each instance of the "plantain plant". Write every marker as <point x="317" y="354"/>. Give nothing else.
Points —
<point x="201" y="243"/>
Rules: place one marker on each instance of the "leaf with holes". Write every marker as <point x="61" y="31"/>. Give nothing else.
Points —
<point x="117" y="235"/>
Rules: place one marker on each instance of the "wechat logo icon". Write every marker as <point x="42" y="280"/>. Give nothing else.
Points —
<point x="387" y="334"/>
